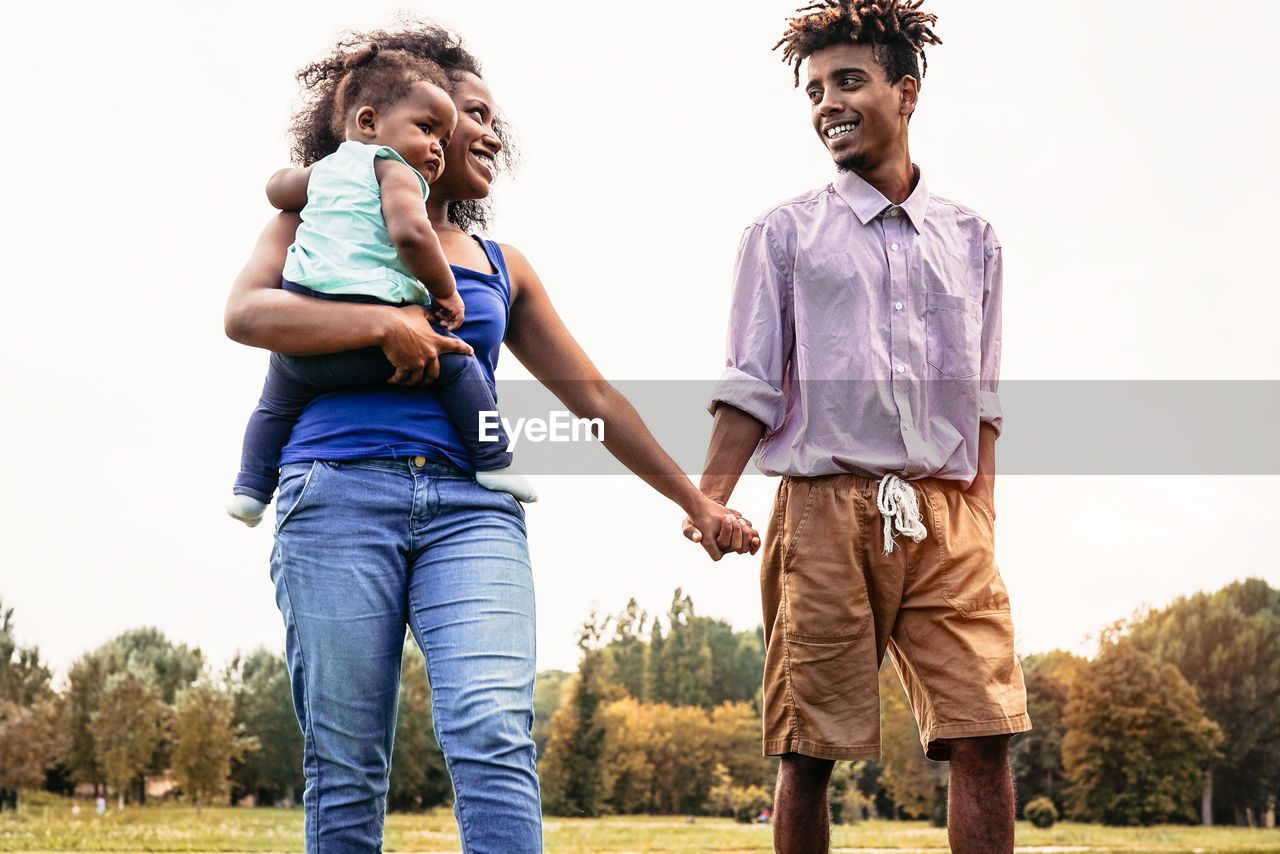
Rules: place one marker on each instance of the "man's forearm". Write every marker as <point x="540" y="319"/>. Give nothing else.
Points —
<point x="734" y="438"/>
<point x="984" y="483"/>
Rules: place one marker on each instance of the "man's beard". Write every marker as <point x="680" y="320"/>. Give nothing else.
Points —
<point x="852" y="163"/>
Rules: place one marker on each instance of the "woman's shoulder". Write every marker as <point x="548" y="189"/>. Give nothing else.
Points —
<point x="519" y="270"/>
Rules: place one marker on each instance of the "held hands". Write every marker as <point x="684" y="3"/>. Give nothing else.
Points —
<point x="448" y="311"/>
<point x="412" y="346"/>
<point x="720" y="530"/>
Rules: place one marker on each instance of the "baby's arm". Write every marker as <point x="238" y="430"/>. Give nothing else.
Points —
<point x="287" y="189"/>
<point x="415" y="240"/>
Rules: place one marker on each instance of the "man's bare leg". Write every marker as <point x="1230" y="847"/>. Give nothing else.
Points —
<point x="801" y="817"/>
<point x="980" y="796"/>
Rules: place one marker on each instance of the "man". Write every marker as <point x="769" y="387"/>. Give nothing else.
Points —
<point x="863" y="360"/>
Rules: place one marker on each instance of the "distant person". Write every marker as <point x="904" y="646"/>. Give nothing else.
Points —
<point x="365" y="237"/>
<point x="863" y="360"/>
<point x="380" y="523"/>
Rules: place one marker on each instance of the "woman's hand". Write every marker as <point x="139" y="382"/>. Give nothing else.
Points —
<point x="260" y="314"/>
<point x="720" y="530"/>
<point x="413" y="347"/>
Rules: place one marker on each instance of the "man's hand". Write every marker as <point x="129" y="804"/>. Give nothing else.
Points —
<point x="720" y="530"/>
<point x="982" y="490"/>
<point x="412" y="346"/>
<point x="983" y="487"/>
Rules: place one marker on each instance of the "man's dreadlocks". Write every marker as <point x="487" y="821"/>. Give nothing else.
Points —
<point x="896" y="30"/>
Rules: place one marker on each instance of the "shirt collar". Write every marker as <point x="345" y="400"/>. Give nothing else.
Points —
<point x="868" y="203"/>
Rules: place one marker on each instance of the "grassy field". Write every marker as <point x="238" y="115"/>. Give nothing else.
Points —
<point x="48" y="825"/>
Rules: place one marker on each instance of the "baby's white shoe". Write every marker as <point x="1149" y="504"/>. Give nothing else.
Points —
<point x="508" y="480"/>
<point x="246" y="508"/>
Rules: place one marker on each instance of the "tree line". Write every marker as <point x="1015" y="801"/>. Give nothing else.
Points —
<point x="1176" y="718"/>
<point x="141" y="706"/>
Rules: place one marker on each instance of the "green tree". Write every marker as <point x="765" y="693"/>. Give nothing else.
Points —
<point x="206" y="741"/>
<point x="264" y="709"/>
<point x="165" y="666"/>
<point x="29" y="742"/>
<point x="656" y="683"/>
<point x="1036" y="756"/>
<point x="914" y="783"/>
<point x="1137" y="741"/>
<point x="419" y="776"/>
<point x="82" y="698"/>
<point x="684" y="660"/>
<point x="1227" y="645"/>
<point x="737" y="662"/>
<point x="23" y="679"/>
<point x="28" y="746"/>
<point x="548" y="688"/>
<point x="730" y="798"/>
<point x="127" y="728"/>
<point x="696" y="661"/>
<point x="570" y="770"/>
<point x="853" y="792"/>
<point x="628" y="651"/>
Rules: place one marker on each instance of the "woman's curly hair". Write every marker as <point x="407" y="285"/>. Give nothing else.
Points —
<point x="313" y="131"/>
<point x="896" y="30"/>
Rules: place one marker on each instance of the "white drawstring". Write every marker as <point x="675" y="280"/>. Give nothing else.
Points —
<point x="899" y="506"/>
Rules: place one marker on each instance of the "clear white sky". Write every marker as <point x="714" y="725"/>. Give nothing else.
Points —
<point x="1126" y="153"/>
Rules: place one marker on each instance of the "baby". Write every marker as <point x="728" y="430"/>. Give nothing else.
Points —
<point x="365" y="237"/>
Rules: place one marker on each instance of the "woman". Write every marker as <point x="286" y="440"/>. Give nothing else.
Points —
<point x="377" y="529"/>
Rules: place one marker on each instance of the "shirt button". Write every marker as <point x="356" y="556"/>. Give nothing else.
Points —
<point x="893" y="211"/>
<point x="902" y="368"/>
<point x="897" y="306"/>
<point x="893" y="246"/>
<point x="419" y="461"/>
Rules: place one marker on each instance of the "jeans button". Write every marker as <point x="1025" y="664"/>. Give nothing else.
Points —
<point x="419" y="461"/>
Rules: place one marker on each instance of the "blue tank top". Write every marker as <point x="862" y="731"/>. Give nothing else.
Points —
<point x="393" y="422"/>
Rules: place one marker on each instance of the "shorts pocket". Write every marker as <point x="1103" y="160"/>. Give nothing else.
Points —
<point x="825" y="593"/>
<point x="971" y="582"/>
<point x="953" y="335"/>
<point x="982" y="507"/>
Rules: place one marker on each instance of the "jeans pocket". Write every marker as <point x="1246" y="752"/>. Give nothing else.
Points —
<point x="953" y="335"/>
<point x="295" y="483"/>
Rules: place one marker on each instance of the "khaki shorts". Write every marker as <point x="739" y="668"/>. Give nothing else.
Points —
<point x="834" y="602"/>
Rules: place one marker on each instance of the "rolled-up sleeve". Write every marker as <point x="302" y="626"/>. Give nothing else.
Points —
<point x="989" y="408"/>
<point x="761" y="333"/>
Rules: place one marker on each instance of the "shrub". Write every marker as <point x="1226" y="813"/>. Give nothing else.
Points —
<point x="1041" y="812"/>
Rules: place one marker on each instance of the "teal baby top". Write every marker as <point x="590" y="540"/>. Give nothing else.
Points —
<point x="342" y="246"/>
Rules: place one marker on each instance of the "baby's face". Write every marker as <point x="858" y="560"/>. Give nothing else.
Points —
<point x="418" y="127"/>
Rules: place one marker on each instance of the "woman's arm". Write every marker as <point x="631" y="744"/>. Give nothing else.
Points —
<point x="539" y="339"/>
<point x="260" y="314"/>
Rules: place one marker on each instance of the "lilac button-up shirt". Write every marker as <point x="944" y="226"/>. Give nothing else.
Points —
<point x="865" y="335"/>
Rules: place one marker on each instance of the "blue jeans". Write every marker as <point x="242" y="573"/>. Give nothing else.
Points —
<point x="363" y="549"/>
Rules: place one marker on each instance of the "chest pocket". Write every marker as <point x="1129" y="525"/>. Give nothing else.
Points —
<point x="953" y="333"/>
